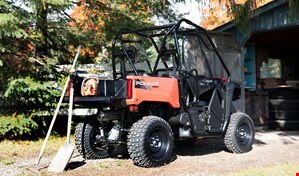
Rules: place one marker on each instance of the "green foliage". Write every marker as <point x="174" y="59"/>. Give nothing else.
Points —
<point x="26" y="72"/>
<point x="4" y="5"/>
<point x="28" y="96"/>
<point x="103" y="19"/>
<point x="96" y="22"/>
<point x="16" y="126"/>
<point x="242" y="15"/>
<point x="32" y="38"/>
<point x="9" y="27"/>
<point x="293" y="10"/>
<point x="11" y="31"/>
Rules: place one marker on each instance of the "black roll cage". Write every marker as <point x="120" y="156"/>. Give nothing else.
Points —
<point x="158" y="31"/>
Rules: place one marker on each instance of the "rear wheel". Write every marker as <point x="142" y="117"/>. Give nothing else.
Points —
<point x="89" y="141"/>
<point x="150" y="142"/>
<point x="239" y="136"/>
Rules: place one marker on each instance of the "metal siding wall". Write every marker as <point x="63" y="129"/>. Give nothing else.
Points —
<point x="276" y="18"/>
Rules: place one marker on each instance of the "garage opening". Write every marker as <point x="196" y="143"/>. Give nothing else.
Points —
<point x="272" y="78"/>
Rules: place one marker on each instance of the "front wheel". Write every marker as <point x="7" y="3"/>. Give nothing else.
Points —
<point x="239" y="136"/>
<point x="150" y="142"/>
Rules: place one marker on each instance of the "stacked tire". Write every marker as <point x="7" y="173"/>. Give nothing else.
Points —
<point x="284" y="108"/>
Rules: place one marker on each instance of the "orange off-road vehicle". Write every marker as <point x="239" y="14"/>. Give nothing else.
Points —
<point x="157" y="97"/>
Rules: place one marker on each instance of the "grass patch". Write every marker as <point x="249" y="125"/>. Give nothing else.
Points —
<point x="11" y="148"/>
<point x="119" y="163"/>
<point x="7" y="162"/>
<point x="273" y="170"/>
<point x="102" y="166"/>
<point x="110" y="164"/>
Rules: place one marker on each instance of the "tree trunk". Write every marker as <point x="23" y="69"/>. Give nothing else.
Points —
<point x="42" y="27"/>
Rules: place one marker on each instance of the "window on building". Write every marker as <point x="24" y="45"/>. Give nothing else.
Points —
<point x="271" y="69"/>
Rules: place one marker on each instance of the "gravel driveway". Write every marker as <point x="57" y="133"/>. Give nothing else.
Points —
<point x="207" y="157"/>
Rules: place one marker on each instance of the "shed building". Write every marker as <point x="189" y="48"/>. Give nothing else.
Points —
<point x="271" y="65"/>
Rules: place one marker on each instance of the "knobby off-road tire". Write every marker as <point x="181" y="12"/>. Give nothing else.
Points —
<point x="239" y="136"/>
<point x="85" y="140"/>
<point x="150" y="142"/>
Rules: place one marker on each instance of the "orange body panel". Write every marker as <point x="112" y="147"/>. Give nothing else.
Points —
<point x="154" y="89"/>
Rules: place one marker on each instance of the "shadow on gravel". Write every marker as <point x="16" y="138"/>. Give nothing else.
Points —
<point x="287" y="137"/>
<point x="259" y="142"/>
<point x="266" y="136"/>
<point x="74" y="165"/>
<point x="289" y="134"/>
<point x="202" y="146"/>
<point x="120" y="152"/>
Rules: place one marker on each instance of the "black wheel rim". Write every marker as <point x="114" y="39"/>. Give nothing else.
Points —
<point x="158" y="143"/>
<point x="244" y="133"/>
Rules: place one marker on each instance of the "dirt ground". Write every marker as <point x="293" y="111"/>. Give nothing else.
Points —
<point x="207" y="157"/>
